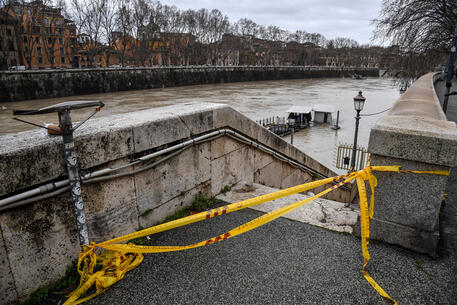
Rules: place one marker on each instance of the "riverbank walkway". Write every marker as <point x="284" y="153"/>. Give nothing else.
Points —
<point x="449" y="235"/>
<point x="284" y="262"/>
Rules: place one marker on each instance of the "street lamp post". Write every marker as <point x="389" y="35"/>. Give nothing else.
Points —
<point x="359" y="101"/>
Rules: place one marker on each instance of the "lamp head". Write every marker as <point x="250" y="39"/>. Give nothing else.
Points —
<point x="359" y="101"/>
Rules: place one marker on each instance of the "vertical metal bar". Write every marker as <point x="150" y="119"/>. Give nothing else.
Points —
<point x="73" y="176"/>
<point x="357" y="118"/>
<point x="292" y="135"/>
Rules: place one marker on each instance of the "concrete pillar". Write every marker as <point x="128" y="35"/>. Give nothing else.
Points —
<point x="416" y="135"/>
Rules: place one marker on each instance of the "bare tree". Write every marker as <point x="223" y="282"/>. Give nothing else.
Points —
<point x="417" y="25"/>
<point x="124" y="21"/>
<point x="88" y="17"/>
<point x="108" y="15"/>
<point x="342" y="42"/>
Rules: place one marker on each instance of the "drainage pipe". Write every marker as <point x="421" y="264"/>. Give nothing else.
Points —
<point x="102" y="175"/>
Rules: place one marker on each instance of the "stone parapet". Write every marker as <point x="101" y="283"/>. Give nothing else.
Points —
<point x="38" y="84"/>
<point x="416" y="135"/>
<point x="38" y="241"/>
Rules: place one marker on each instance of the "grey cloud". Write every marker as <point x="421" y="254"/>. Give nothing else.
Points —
<point x="331" y="18"/>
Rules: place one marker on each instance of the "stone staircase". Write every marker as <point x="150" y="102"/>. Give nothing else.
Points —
<point x="324" y="213"/>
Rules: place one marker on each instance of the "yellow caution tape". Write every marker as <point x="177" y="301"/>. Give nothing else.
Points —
<point x="106" y="269"/>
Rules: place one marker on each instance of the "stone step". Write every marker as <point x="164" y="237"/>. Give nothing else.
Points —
<point x="328" y="214"/>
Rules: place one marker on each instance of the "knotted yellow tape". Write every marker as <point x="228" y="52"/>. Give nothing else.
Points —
<point x="106" y="269"/>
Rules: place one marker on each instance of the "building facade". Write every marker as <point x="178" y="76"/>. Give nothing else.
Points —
<point x="44" y="38"/>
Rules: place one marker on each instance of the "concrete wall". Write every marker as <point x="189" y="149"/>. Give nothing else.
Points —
<point x="39" y="240"/>
<point x="416" y="135"/>
<point x="26" y="85"/>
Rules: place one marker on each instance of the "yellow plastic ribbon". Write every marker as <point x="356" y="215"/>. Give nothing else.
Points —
<point x="106" y="269"/>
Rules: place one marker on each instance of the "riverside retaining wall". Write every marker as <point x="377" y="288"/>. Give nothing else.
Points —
<point x="38" y="241"/>
<point x="37" y="84"/>
<point x="416" y="135"/>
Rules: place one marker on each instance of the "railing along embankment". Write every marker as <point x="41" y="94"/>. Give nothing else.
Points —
<point x="416" y="135"/>
<point x="136" y="169"/>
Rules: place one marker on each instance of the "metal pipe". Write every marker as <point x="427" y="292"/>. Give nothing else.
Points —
<point x="13" y="201"/>
<point x="73" y="176"/>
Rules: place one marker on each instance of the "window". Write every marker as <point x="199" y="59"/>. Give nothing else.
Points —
<point x="18" y="10"/>
<point x="11" y="45"/>
<point x="62" y="60"/>
<point x="47" y="30"/>
<point x="25" y="39"/>
<point x="60" y="40"/>
<point x="40" y="60"/>
<point x="8" y="32"/>
<point x="59" y="31"/>
<point x="36" y="29"/>
<point x="50" y="41"/>
<point x="37" y="39"/>
<point x="61" y="51"/>
<point x="46" y="21"/>
<point x="38" y="50"/>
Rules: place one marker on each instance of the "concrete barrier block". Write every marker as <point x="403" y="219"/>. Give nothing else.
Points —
<point x="294" y="177"/>
<point x="231" y="168"/>
<point x="224" y="145"/>
<point x="228" y="117"/>
<point x="146" y="133"/>
<point x="6" y="277"/>
<point x="262" y="159"/>
<point x="184" y="200"/>
<point x="170" y="179"/>
<point x="409" y="199"/>
<point x="405" y="236"/>
<point x="270" y="175"/>
<point x="110" y="208"/>
<point x="95" y="148"/>
<point x="415" y="138"/>
<point x="41" y="240"/>
<point x="198" y="120"/>
<point x="27" y="158"/>
<point x="35" y="157"/>
<point x="415" y="135"/>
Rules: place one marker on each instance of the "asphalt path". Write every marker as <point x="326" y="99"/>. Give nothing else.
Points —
<point x="283" y="262"/>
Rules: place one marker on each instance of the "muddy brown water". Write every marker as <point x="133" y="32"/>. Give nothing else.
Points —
<point x="256" y="100"/>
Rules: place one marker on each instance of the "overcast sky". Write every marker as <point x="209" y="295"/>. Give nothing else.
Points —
<point x="331" y="18"/>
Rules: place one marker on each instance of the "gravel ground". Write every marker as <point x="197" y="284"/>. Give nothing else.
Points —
<point x="283" y="262"/>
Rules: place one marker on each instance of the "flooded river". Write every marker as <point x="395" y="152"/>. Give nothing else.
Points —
<point x="257" y="100"/>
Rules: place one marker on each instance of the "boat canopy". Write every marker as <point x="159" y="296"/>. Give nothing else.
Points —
<point x="323" y="108"/>
<point x="300" y="109"/>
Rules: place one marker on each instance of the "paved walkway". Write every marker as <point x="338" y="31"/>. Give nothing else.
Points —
<point x="448" y="234"/>
<point x="283" y="262"/>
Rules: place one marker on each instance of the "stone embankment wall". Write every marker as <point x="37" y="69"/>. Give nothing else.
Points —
<point x="27" y="85"/>
<point x="38" y="241"/>
<point x="416" y="135"/>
